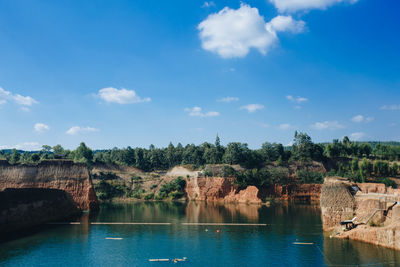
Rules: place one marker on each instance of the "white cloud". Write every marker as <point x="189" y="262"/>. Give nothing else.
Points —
<point x="197" y="112"/>
<point x="296" y="5"/>
<point x="361" y="118"/>
<point x="27" y="146"/>
<point x="252" y="107"/>
<point x="24" y="101"/>
<point x="284" y="126"/>
<point x="298" y="99"/>
<point x="79" y="130"/>
<point x="327" y="125"/>
<point x="228" y="99"/>
<point x="391" y="107"/>
<point x="208" y="4"/>
<point x="286" y="24"/>
<point x="357" y="136"/>
<point x="41" y="127"/>
<point x="232" y="33"/>
<point x="122" y="96"/>
<point x="4" y="96"/>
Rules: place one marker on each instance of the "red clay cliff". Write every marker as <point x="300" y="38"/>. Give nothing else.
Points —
<point x="73" y="178"/>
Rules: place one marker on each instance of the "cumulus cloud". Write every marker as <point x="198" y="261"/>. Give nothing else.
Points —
<point x="23" y="101"/>
<point x="74" y="130"/>
<point x="121" y="96"/>
<point x="391" y="107"/>
<point x="327" y="125"/>
<point x="232" y="33"/>
<point x="228" y="99"/>
<point x="357" y="136"/>
<point x="285" y="24"/>
<point x="197" y="112"/>
<point x="361" y="118"/>
<point x="298" y="99"/>
<point x="26" y="146"/>
<point x="285" y="126"/>
<point x="41" y="127"/>
<point x="252" y="107"/>
<point x="297" y="5"/>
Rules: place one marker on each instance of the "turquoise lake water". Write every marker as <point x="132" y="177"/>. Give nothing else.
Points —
<point x="86" y="244"/>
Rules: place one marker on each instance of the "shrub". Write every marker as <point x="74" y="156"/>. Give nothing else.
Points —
<point x="381" y="168"/>
<point x="279" y="175"/>
<point x="308" y="177"/>
<point x="173" y="189"/>
<point x="373" y="224"/>
<point x="106" y="190"/>
<point x="207" y="173"/>
<point x="388" y="182"/>
<point x="227" y="171"/>
<point x="149" y="196"/>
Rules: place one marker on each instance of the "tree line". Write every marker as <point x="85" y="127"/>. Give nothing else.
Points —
<point x="350" y="159"/>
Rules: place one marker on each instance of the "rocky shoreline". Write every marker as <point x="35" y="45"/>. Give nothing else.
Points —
<point x="374" y="207"/>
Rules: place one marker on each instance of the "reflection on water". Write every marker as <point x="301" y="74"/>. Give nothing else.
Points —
<point x="271" y="245"/>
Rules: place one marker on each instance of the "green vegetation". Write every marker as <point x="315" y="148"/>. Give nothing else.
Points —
<point x="106" y="190"/>
<point x="172" y="190"/>
<point x="270" y="164"/>
<point x="309" y="177"/>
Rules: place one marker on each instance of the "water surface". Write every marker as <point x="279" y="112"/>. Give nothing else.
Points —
<point x="202" y="245"/>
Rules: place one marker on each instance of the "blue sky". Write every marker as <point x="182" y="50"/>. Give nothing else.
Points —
<point x="119" y="73"/>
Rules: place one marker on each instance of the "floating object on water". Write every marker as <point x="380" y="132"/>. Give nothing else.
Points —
<point x="114" y="238"/>
<point x="206" y="230"/>
<point x="227" y="224"/>
<point x="176" y="260"/>
<point x="302" y="243"/>
<point x="217" y="230"/>
<point x="63" y="223"/>
<point x="158" y="259"/>
<point x="131" y="223"/>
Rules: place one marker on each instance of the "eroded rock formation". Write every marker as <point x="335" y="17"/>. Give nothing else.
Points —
<point x="73" y="178"/>
<point x="219" y="189"/>
<point x="307" y="192"/>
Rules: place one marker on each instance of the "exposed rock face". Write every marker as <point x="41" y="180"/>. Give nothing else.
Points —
<point x="219" y="189"/>
<point x="374" y="203"/>
<point x="68" y="176"/>
<point x="337" y="203"/>
<point x="309" y="192"/>
<point x="27" y="207"/>
<point x="222" y="189"/>
<point x="248" y="195"/>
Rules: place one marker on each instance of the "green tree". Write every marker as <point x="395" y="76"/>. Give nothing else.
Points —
<point x="35" y="157"/>
<point x="395" y="169"/>
<point x="304" y="149"/>
<point x="83" y="154"/>
<point x="46" y="149"/>
<point x="15" y="156"/>
<point x="58" y="150"/>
